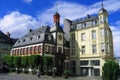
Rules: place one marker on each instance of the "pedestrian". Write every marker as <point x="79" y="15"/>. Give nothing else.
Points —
<point x="39" y="73"/>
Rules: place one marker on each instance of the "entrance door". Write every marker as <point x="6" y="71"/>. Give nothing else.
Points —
<point x="84" y="71"/>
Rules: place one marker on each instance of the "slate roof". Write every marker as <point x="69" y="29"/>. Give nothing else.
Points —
<point x="102" y="10"/>
<point x="5" y="39"/>
<point x="36" y="36"/>
<point x="59" y="29"/>
<point x="86" y="19"/>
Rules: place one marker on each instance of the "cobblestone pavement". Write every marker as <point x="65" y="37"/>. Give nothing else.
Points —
<point x="14" y="76"/>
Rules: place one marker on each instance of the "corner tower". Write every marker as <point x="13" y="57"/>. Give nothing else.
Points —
<point x="103" y="15"/>
<point x="56" y="19"/>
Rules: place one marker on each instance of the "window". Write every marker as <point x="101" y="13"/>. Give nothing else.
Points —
<point x="39" y="49"/>
<point x="38" y="36"/>
<point x="35" y="49"/>
<point x="94" y="50"/>
<point x="93" y="34"/>
<point x="26" y="50"/>
<point x="94" y="23"/>
<point x="83" y="49"/>
<point x="101" y="21"/>
<point x="102" y="32"/>
<point x="83" y="37"/>
<point x="96" y="72"/>
<point x="83" y="25"/>
<point x="72" y="40"/>
<point x="23" y="40"/>
<point x="72" y="52"/>
<point x="102" y="47"/>
<point x="107" y="33"/>
<point x="105" y="19"/>
<point x="30" y="50"/>
<point x="84" y="62"/>
<point x="95" y="62"/>
<point x="73" y="63"/>
<point x="106" y="47"/>
<point x="31" y="38"/>
<point x="59" y="50"/>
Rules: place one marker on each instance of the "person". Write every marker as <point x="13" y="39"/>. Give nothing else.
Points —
<point x="39" y="73"/>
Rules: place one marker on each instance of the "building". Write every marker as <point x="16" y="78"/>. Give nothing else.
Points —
<point x="6" y="44"/>
<point x="43" y="41"/>
<point x="91" y="43"/>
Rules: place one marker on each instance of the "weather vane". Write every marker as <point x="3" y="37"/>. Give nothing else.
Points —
<point x="102" y="3"/>
<point x="56" y="5"/>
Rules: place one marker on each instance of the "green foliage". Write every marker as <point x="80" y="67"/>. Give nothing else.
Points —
<point x="8" y="60"/>
<point x="34" y="60"/>
<point x="66" y="73"/>
<point x="48" y="60"/>
<point x="24" y="61"/>
<point x="110" y="70"/>
<point x="17" y="61"/>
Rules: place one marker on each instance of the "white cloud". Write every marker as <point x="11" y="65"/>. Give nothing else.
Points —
<point x="27" y="1"/>
<point x="116" y="39"/>
<point x="72" y="10"/>
<point x="17" y="24"/>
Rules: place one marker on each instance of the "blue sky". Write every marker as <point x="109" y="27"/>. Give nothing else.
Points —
<point x="18" y="16"/>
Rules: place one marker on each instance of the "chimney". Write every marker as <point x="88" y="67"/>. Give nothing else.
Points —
<point x="8" y="34"/>
<point x="88" y="16"/>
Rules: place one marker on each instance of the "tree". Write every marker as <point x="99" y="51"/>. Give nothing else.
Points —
<point x="110" y="70"/>
<point x="34" y="60"/>
<point x="8" y="60"/>
<point x="24" y="61"/>
<point x="17" y="61"/>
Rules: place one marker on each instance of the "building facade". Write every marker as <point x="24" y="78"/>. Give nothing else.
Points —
<point x="6" y="44"/>
<point x="44" y="41"/>
<point x="91" y="44"/>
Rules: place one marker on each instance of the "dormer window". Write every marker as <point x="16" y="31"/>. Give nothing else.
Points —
<point x="19" y="41"/>
<point x="39" y="31"/>
<point x="32" y="33"/>
<point x="31" y="38"/>
<point x="24" y="40"/>
<point x="94" y="23"/>
<point x="84" y="25"/>
<point x="38" y="36"/>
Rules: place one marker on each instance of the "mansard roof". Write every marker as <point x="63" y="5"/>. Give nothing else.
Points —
<point x="59" y="29"/>
<point x="39" y="35"/>
<point x="86" y="19"/>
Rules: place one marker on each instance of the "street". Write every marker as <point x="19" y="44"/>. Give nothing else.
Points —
<point x="14" y="76"/>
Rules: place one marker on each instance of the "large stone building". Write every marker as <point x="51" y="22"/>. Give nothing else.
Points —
<point x="91" y="43"/>
<point x="44" y="41"/>
<point x="6" y="44"/>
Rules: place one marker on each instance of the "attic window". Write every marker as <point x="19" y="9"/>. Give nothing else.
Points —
<point x="18" y="41"/>
<point x="32" y="33"/>
<point x="31" y="38"/>
<point x="38" y="36"/>
<point x="24" y="40"/>
<point x="39" y="31"/>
